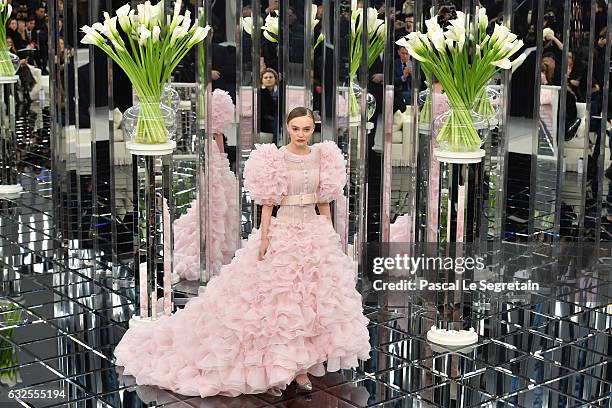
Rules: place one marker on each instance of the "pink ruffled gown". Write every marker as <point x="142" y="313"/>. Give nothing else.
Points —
<point x="258" y="324"/>
<point x="225" y="223"/>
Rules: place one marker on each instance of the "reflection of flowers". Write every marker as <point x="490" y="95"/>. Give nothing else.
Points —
<point x="463" y="58"/>
<point x="271" y="26"/>
<point x="376" y="43"/>
<point x="6" y="65"/>
<point x="8" y="356"/>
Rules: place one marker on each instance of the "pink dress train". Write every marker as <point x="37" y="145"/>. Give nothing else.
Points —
<point x="225" y="223"/>
<point x="258" y="324"/>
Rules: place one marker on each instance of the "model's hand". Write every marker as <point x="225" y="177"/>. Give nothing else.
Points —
<point x="263" y="248"/>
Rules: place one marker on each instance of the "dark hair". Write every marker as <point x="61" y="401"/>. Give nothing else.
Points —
<point x="299" y="112"/>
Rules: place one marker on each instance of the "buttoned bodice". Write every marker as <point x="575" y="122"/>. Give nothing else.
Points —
<point x="303" y="174"/>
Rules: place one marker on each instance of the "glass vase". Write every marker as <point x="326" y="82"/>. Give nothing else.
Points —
<point x="150" y="122"/>
<point x="461" y="130"/>
<point x="171" y="98"/>
<point x="425" y="104"/>
<point x="355" y="93"/>
<point x="488" y="103"/>
<point x="354" y="97"/>
<point x="9" y="63"/>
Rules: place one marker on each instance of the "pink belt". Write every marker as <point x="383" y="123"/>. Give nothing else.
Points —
<point x="299" y="199"/>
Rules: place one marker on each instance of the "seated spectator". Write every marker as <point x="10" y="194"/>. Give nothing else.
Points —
<point x="576" y="76"/>
<point x="402" y="72"/>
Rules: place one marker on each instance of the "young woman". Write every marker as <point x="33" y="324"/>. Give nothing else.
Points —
<point x="269" y="103"/>
<point x="283" y="307"/>
<point x="224" y="203"/>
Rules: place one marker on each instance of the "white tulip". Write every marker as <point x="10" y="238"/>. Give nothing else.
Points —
<point x="450" y="43"/>
<point x="92" y="36"/>
<point x="432" y="24"/>
<point x="437" y="39"/>
<point x="176" y="17"/>
<point x="500" y="33"/>
<point x="157" y="12"/>
<point x="402" y="42"/>
<point x="516" y="47"/>
<point x="483" y="19"/>
<point x="111" y="27"/>
<point x="372" y="22"/>
<point x="187" y="20"/>
<point x="353" y="4"/>
<point x="503" y="63"/>
<point x="313" y="15"/>
<point x="414" y="52"/>
<point x="511" y="37"/>
<point x="99" y="27"/>
<point x="10" y="10"/>
<point x="123" y="17"/>
<point x="423" y="40"/>
<point x="460" y="20"/>
<point x="156" y="34"/>
<point x="177" y="33"/>
<point x="519" y="59"/>
<point x="199" y="35"/>
<point x="247" y="24"/>
<point x="145" y="34"/>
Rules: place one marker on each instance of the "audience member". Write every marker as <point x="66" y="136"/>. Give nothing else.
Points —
<point x="402" y="73"/>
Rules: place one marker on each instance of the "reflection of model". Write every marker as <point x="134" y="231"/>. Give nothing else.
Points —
<point x="400" y="229"/>
<point x="223" y="201"/>
<point x="286" y="303"/>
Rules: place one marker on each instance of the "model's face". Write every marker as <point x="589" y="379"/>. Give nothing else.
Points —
<point x="13" y="25"/>
<point x="301" y="130"/>
<point x="268" y="80"/>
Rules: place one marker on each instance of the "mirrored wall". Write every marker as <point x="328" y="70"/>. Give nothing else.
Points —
<point x="543" y="180"/>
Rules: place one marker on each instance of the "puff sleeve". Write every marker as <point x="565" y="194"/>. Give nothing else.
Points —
<point x="265" y="175"/>
<point x="332" y="172"/>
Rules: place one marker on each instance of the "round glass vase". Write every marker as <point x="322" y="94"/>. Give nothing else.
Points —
<point x="460" y="133"/>
<point x="355" y="101"/>
<point x="488" y="104"/>
<point x="151" y="127"/>
<point x="9" y="64"/>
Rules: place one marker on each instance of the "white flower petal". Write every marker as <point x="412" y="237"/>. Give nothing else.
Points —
<point x="503" y="63"/>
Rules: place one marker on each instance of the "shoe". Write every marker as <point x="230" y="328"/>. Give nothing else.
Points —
<point x="275" y="392"/>
<point x="304" y="388"/>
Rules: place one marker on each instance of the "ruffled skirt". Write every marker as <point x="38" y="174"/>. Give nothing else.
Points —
<point x="259" y="323"/>
<point x="225" y="223"/>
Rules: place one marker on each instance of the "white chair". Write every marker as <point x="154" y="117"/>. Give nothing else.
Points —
<point x="573" y="150"/>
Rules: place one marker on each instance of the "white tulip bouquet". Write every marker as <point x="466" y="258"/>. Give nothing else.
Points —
<point x="6" y="65"/>
<point x="376" y="44"/>
<point x="154" y="47"/>
<point x="270" y="28"/>
<point x="463" y="58"/>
